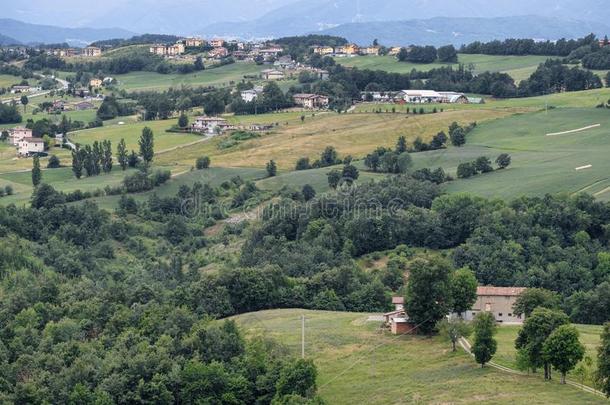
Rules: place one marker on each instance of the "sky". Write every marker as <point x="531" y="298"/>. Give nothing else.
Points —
<point x="109" y="13"/>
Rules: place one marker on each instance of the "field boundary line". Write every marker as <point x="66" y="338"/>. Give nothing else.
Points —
<point x="466" y="346"/>
<point x="574" y="130"/>
<point x="186" y="145"/>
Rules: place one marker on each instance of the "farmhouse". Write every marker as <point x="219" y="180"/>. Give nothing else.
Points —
<point x="20" y="89"/>
<point x="91" y="51"/>
<point x="285" y="62"/>
<point x="211" y="125"/>
<point x="17" y="134"/>
<point x="251" y="95"/>
<point x="323" y="50"/>
<point x="454" y="98"/>
<point x="28" y="146"/>
<point x="497" y="300"/>
<point x="218" y="53"/>
<point x="349" y="49"/>
<point x="310" y="101"/>
<point x="272" y="51"/>
<point x="217" y="42"/>
<point x="272" y="74"/>
<point x="370" y="50"/>
<point x="84" y="105"/>
<point x="395" y="50"/>
<point x="168" y="50"/>
<point x="65" y="52"/>
<point x="193" y="42"/>
<point x="431" y="96"/>
<point x="95" y="82"/>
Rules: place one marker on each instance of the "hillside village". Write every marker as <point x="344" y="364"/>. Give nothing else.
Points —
<point x="166" y="203"/>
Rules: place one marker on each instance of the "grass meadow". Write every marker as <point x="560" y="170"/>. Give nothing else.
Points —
<point x="359" y="363"/>
<point x="540" y="164"/>
<point x="519" y="67"/>
<point x="506" y="354"/>
<point x="217" y="76"/>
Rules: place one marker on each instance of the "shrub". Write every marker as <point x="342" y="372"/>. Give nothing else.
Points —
<point x="202" y="162"/>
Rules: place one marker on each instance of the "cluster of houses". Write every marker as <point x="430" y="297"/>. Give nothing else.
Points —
<point x="420" y="97"/>
<point x="24" y="141"/>
<point x="497" y="300"/>
<point x="353" y="50"/>
<point x="90" y="51"/>
<point x="59" y="106"/>
<point x="220" y="48"/>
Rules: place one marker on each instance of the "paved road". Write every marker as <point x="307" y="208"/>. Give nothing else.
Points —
<point x="64" y="86"/>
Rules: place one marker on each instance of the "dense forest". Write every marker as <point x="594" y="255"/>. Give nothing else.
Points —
<point x="561" y="47"/>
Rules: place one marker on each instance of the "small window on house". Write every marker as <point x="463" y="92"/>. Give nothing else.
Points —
<point x="500" y="314"/>
<point x="510" y="314"/>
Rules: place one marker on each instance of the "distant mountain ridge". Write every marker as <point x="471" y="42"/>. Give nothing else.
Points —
<point x="319" y="15"/>
<point x="462" y="30"/>
<point x="34" y="33"/>
<point x="6" y="40"/>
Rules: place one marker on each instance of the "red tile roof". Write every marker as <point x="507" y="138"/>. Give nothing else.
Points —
<point x="502" y="291"/>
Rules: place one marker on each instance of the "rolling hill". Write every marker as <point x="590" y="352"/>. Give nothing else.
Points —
<point x="319" y="15"/>
<point x="359" y="362"/>
<point x="35" y="33"/>
<point x="463" y="30"/>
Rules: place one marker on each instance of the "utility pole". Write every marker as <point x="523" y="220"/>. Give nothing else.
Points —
<point x="303" y="336"/>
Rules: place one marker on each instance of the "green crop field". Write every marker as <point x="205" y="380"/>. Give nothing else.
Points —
<point x="358" y="363"/>
<point x="540" y="164"/>
<point x="519" y="67"/>
<point x="218" y="76"/>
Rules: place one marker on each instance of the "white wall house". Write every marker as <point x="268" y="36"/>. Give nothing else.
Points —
<point x="28" y="146"/>
<point x="17" y="134"/>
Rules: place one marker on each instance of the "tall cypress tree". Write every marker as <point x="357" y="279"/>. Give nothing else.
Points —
<point x="122" y="154"/>
<point x="107" y="156"/>
<point x="147" y="144"/>
<point x="36" y="172"/>
<point x="77" y="163"/>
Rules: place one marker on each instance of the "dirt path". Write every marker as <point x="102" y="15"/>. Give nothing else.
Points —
<point x="574" y="130"/>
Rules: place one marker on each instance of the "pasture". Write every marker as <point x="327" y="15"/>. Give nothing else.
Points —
<point x="358" y="362"/>
<point x="507" y="354"/>
<point x="217" y="76"/>
<point x="350" y="134"/>
<point x="519" y="67"/>
<point x="540" y="164"/>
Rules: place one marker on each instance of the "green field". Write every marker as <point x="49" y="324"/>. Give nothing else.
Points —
<point x="213" y="176"/>
<point x="9" y="80"/>
<point x="576" y="99"/>
<point x="519" y="67"/>
<point x="358" y="363"/>
<point x="218" y="76"/>
<point x="540" y="164"/>
<point x="506" y="354"/>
